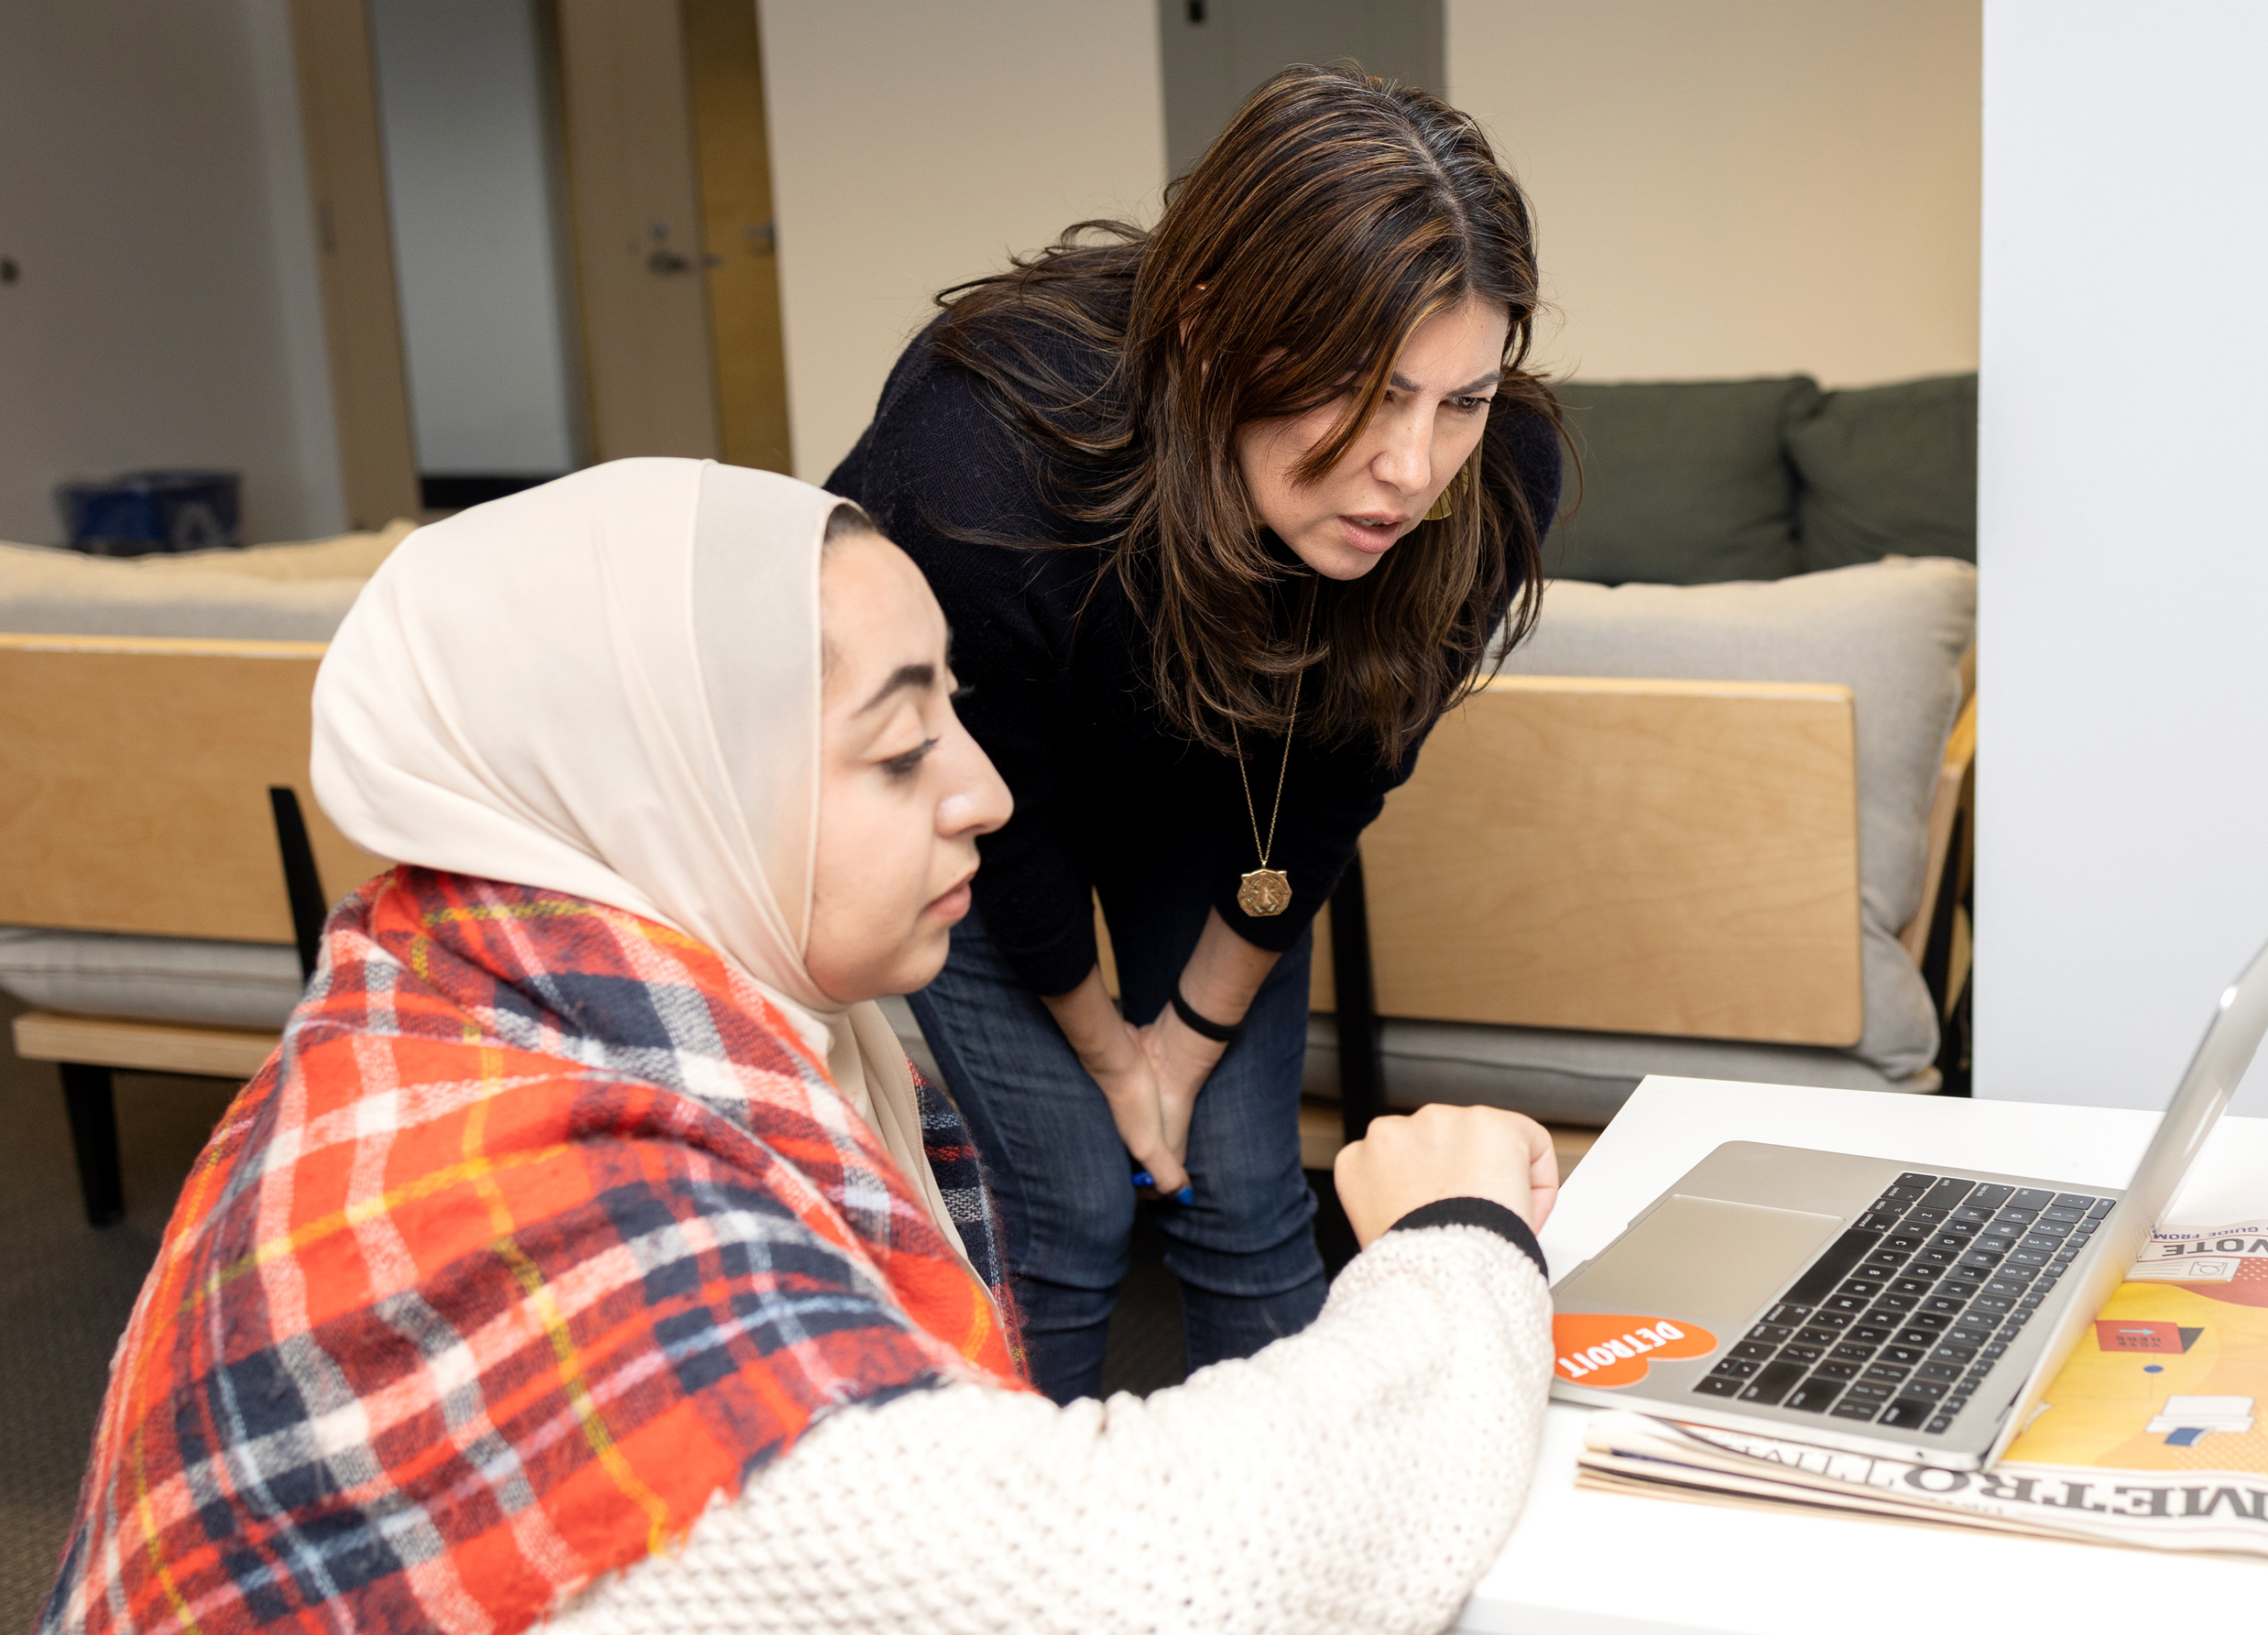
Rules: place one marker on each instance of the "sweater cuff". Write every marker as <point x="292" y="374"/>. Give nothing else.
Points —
<point x="1484" y="1213"/>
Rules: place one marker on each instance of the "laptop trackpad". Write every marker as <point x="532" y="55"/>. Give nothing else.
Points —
<point x="1702" y="1258"/>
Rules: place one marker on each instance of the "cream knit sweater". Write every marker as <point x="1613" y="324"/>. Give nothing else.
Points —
<point x="1359" y="1476"/>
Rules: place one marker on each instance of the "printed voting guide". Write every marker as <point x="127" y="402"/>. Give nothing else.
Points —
<point x="2154" y="1433"/>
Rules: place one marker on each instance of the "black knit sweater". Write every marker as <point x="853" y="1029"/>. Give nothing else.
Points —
<point x="1107" y="797"/>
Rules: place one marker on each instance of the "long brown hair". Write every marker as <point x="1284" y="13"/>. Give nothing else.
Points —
<point x="1333" y="216"/>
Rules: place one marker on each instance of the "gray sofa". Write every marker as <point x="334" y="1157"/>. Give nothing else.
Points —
<point x="1726" y="530"/>
<point x="1895" y="633"/>
<point x="1752" y="531"/>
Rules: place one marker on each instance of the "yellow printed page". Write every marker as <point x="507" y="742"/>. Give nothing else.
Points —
<point x="2174" y="1375"/>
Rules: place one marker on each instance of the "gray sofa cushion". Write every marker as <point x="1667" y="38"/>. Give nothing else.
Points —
<point x="1889" y="470"/>
<point x="161" y="979"/>
<point x="1894" y="633"/>
<point x="269" y="592"/>
<point x="1684" y="483"/>
<point x="1564" y="1077"/>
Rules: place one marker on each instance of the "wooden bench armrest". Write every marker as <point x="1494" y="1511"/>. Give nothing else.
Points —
<point x="1626" y="855"/>
<point x="1956" y="776"/>
<point x="134" y="774"/>
<point x="142" y="1047"/>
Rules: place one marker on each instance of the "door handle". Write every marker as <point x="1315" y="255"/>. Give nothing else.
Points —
<point x="668" y="261"/>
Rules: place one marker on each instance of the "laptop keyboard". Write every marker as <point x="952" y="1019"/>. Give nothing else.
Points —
<point x="1899" y="1321"/>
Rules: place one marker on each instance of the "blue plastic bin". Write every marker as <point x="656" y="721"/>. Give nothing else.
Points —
<point x="145" y="511"/>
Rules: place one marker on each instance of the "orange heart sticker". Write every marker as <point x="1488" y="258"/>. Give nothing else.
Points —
<point x="1608" y="1349"/>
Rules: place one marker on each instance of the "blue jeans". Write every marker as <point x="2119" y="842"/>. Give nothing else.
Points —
<point x="1244" y="1251"/>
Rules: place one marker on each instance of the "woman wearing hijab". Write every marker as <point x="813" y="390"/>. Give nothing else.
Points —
<point x="1224" y="512"/>
<point x="588" y="1255"/>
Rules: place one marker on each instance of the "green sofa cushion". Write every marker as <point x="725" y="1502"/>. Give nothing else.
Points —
<point x="1684" y="482"/>
<point x="1888" y="469"/>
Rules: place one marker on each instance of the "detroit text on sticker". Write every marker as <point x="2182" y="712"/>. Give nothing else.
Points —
<point x="1651" y="1337"/>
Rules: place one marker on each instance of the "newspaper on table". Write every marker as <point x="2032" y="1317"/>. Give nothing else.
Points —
<point x="2152" y="1433"/>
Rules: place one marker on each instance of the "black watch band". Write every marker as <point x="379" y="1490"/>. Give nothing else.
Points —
<point x="1204" y="1027"/>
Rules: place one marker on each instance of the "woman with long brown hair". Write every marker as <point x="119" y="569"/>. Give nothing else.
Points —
<point x="1223" y="514"/>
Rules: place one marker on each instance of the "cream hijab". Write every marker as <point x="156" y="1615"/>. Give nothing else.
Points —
<point x="609" y="686"/>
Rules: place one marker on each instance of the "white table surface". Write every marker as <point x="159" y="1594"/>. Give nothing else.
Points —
<point x="1597" y="1563"/>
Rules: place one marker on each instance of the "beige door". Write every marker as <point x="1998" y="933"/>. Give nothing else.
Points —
<point x="637" y="229"/>
<point x="362" y="315"/>
<point x="669" y="184"/>
<point x="729" y="135"/>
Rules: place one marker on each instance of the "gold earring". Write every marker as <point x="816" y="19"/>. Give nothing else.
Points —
<point x="1445" y="508"/>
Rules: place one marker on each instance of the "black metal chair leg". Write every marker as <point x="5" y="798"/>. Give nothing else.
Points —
<point x="94" y="1141"/>
<point x="302" y="882"/>
<point x="1362" y="1061"/>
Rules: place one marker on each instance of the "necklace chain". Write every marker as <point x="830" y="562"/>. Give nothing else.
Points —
<point x="1265" y="848"/>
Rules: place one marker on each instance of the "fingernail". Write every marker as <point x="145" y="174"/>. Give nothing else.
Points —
<point x="1188" y="1194"/>
<point x="1144" y="1178"/>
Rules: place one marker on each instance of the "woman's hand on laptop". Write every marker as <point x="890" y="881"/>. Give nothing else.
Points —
<point x="1407" y="1163"/>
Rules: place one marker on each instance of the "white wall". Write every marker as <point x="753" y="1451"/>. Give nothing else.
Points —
<point x="155" y="195"/>
<point x="1212" y="61"/>
<point x="469" y="184"/>
<point x="1744" y="187"/>
<point x="2122" y="759"/>
<point x="915" y="147"/>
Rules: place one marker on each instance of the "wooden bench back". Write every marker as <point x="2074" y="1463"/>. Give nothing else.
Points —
<point x="1630" y="857"/>
<point x="134" y="780"/>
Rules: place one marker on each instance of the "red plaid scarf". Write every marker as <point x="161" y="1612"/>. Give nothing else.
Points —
<point x="539" y="1231"/>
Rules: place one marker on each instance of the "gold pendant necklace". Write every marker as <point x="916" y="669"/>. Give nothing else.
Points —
<point x="1265" y="892"/>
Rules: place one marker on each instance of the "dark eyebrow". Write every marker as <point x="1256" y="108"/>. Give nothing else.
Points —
<point x="920" y="677"/>
<point x="1403" y="383"/>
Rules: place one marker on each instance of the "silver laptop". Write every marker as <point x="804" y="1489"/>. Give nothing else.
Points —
<point x="1888" y="1308"/>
